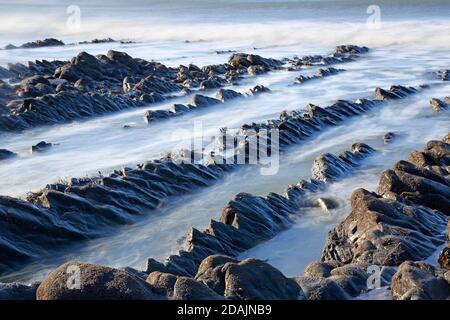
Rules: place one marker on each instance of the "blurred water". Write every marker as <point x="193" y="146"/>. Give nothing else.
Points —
<point x="413" y="40"/>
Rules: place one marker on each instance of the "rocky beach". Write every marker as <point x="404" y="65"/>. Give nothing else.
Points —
<point x="268" y="164"/>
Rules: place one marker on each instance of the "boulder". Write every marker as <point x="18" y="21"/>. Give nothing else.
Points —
<point x="162" y="283"/>
<point x="253" y="279"/>
<point x="95" y="283"/>
<point x="419" y="281"/>
<point x="188" y="289"/>
<point x="210" y="272"/>
<point x="321" y="289"/>
<point x="227" y="94"/>
<point x="41" y="147"/>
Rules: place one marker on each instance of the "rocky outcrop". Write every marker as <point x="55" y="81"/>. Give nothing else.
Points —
<point x="197" y="102"/>
<point x="90" y="85"/>
<point x="48" y="42"/>
<point x="404" y="221"/>
<point x="248" y="220"/>
<point x="328" y="167"/>
<point x="223" y="277"/>
<point x="321" y="73"/>
<point x="6" y="154"/>
<point x="82" y="281"/>
<point x="420" y="281"/>
<point x="41" y="147"/>
<point x="101" y="202"/>
<point x="105" y="201"/>
<point x="438" y="104"/>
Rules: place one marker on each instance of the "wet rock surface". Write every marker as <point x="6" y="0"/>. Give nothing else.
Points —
<point x="48" y="42"/>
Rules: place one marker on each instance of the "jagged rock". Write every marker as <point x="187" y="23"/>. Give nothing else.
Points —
<point x="417" y="281"/>
<point x="349" y="49"/>
<point x="49" y="42"/>
<point x="227" y="94"/>
<point x="395" y="92"/>
<point x="383" y="231"/>
<point x="327" y="72"/>
<point x="258" y="89"/>
<point x="329" y="167"/>
<point x="437" y="104"/>
<point x="96" y="283"/>
<point x="17" y="291"/>
<point x="200" y="101"/>
<point x="188" y="289"/>
<point x="41" y="147"/>
<point x="417" y="185"/>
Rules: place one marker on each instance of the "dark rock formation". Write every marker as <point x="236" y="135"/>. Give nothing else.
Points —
<point x="95" y="283"/>
<point x="321" y="73"/>
<point x="329" y="167"/>
<point x="438" y="105"/>
<point x="246" y="221"/>
<point x="105" y="201"/>
<point x="48" y="42"/>
<point x="403" y="222"/>
<point x="395" y="92"/>
<point x="90" y="85"/>
<point x="41" y="147"/>
<point x="6" y="154"/>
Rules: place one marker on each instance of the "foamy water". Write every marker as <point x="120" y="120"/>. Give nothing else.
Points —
<point x="410" y="43"/>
